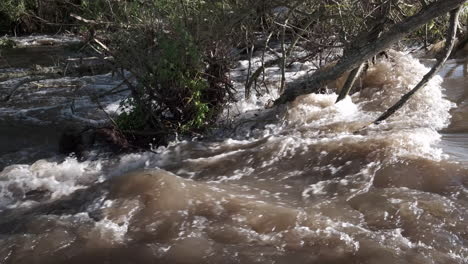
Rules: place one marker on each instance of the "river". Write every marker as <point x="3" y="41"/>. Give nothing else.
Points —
<point x="307" y="183"/>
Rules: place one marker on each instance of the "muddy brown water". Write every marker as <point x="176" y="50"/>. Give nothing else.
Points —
<point x="307" y="188"/>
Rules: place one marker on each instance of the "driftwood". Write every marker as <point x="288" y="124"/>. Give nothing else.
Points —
<point x="361" y="51"/>
<point x="450" y="41"/>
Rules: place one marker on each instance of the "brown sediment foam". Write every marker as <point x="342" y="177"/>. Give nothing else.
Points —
<point x="308" y="191"/>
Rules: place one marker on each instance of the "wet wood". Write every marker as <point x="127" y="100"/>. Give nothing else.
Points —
<point x="353" y="76"/>
<point x="363" y="51"/>
<point x="450" y="41"/>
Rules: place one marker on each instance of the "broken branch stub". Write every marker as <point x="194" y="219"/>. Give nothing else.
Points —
<point x="353" y="76"/>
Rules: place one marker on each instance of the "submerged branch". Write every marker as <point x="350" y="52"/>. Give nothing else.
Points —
<point x="353" y="76"/>
<point x="253" y="78"/>
<point x="450" y="41"/>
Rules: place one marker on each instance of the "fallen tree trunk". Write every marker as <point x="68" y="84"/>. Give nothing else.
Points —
<point x="363" y="51"/>
<point x="449" y="43"/>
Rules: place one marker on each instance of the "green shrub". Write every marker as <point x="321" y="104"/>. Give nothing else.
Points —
<point x="172" y="90"/>
<point x="6" y="43"/>
<point x="132" y="116"/>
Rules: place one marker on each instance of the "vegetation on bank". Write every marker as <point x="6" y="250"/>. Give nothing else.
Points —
<point x="33" y="16"/>
<point x="6" y="43"/>
<point x="179" y="53"/>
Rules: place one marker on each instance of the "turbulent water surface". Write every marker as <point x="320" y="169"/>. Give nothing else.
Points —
<point x="314" y="183"/>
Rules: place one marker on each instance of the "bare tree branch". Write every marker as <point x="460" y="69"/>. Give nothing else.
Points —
<point x="450" y="41"/>
<point x="353" y="76"/>
<point x="358" y="54"/>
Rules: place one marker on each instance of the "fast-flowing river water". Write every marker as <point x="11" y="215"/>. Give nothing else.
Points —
<point x="313" y="184"/>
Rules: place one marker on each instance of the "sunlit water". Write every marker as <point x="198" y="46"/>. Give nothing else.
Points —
<point x="313" y="183"/>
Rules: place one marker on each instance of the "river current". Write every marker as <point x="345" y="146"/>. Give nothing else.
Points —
<point x="311" y="182"/>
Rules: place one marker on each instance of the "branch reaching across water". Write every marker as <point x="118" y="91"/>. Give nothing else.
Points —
<point x="451" y="35"/>
<point x="361" y="51"/>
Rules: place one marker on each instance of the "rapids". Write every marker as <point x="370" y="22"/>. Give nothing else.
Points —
<point x="307" y="183"/>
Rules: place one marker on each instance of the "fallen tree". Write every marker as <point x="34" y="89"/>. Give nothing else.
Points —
<point x="365" y="46"/>
<point x="449" y="43"/>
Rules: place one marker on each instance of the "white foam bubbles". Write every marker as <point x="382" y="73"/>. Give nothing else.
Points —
<point x="54" y="178"/>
